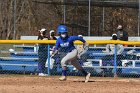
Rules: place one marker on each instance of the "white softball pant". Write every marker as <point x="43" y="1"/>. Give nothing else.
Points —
<point x="71" y="57"/>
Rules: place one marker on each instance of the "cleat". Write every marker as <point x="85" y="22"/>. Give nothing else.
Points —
<point x="87" y="77"/>
<point x="42" y="74"/>
<point x="63" y="78"/>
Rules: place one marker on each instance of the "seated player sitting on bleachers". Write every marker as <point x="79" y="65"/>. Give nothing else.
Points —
<point x="108" y="60"/>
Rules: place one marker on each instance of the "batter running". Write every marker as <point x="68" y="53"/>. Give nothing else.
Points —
<point x="66" y="43"/>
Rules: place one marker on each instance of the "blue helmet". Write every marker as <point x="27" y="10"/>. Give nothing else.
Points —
<point x="62" y="29"/>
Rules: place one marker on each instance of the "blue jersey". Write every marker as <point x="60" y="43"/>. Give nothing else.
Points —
<point x="67" y="45"/>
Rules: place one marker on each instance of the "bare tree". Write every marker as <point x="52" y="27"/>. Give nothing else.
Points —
<point x="31" y="16"/>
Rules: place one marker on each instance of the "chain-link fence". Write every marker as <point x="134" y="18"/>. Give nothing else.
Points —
<point x="94" y="18"/>
<point x="103" y="60"/>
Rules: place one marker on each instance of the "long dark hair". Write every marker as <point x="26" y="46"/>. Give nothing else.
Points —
<point x="114" y="37"/>
<point x="42" y="36"/>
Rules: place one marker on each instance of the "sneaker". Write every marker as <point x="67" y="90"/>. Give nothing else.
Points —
<point x="63" y="78"/>
<point x="42" y="74"/>
<point x="87" y="77"/>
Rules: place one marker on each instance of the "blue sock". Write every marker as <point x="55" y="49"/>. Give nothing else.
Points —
<point x="64" y="72"/>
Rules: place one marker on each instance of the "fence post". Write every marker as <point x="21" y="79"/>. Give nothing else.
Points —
<point x="115" y="61"/>
<point x="48" y="59"/>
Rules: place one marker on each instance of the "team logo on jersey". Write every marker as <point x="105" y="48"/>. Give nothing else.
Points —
<point x="64" y="44"/>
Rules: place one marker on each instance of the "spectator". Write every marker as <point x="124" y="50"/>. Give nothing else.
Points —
<point x="121" y="33"/>
<point x="42" y="52"/>
<point x="109" y="58"/>
<point x="52" y="35"/>
<point x="81" y="51"/>
<point x="80" y="48"/>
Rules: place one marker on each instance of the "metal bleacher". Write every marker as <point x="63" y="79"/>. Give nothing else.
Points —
<point x="130" y="65"/>
<point x="20" y="61"/>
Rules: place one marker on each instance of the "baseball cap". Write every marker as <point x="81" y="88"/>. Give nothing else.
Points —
<point x="42" y="30"/>
<point x="52" y="31"/>
<point x="119" y="27"/>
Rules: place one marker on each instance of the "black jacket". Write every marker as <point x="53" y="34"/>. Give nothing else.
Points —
<point x="122" y="35"/>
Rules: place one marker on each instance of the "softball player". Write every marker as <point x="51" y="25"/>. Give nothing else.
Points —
<point x="66" y="43"/>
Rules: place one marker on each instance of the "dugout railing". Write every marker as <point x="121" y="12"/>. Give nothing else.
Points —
<point x="28" y="57"/>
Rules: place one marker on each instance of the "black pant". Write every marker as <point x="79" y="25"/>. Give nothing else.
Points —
<point x="108" y="60"/>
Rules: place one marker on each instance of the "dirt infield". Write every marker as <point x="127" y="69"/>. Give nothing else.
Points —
<point x="35" y="84"/>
